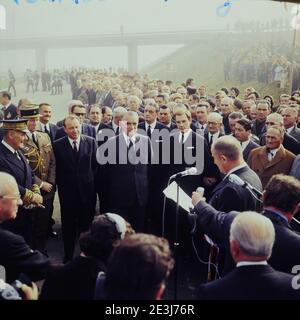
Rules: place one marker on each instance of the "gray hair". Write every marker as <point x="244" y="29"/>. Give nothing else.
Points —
<point x="7" y="181"/>
<point x="119" y="111"/>
<point x="254" y="233"/>
<point x="229" y="147"/>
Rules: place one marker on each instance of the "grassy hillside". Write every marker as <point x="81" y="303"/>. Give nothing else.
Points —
<point x="204" y="61"/>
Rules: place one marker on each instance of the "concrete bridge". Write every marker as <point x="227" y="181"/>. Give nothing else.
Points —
<point x="41" y="45"/>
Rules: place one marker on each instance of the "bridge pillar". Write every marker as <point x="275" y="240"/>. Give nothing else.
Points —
<point x="132" y="58"/>
<point x="41" y="58"/>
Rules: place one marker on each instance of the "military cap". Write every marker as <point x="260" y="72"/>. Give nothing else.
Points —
<point x="29" y="111"/>
<point x="16" y="125"/>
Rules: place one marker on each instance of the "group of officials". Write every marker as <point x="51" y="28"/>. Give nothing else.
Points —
<point x="127" y="163"/>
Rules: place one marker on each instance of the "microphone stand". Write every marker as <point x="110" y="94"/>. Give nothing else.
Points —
<point x="176" y="244"/>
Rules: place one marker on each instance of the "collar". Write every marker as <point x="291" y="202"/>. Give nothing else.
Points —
<point x="199" y="125"/>
<point x="4" y="107"/>
<point x="274" y="151"/>
<point x="10" y="148"/>
<point x="243" y="165"/>
<point x="244" y="144"/>
<point x="152" y="125"/>
<point x="71" y="142"/>
<point x="252" y="263"/>
<point x="47" y="125"/>
<point x="128" y="139"/>
<point x="213" y="134"/>
<point x="277" y="214"/>
<point x="185" y="135"/>
<point x="289" y="130"/>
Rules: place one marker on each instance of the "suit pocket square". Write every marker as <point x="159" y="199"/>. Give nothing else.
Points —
<point x="190" y="147"/>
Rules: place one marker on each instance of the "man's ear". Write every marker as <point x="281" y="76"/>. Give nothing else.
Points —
<point x="160" y="291"/>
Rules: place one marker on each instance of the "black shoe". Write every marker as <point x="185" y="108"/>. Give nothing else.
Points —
<point x="52" y="234"/>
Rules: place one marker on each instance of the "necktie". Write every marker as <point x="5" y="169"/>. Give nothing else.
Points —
<point x="202" y="127"/>
<point x="75" y="146"/>
<point x="210" y="140"/>
<point x="34" y="139"/>
<point x="117" y="131"/>
<point x="130" y="144"/>
<point x="270" y="155"/>
<point x="17" y="155"/>
<point x="149" y="132"/>
<point x="47" y="131"/>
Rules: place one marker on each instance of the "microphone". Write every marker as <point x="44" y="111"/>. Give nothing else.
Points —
<point x="238" y="181"/>
<point x="189" y="172"/>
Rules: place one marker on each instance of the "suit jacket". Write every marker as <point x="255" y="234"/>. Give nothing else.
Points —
<point x="53" y="130"/>
<point x="251" y="145"/>
<point x="228" y="196"/>
<point x="86" y="130"/>
<point x="158" y="126"/>
<point x="41" y="159"/>
<point x="17" y="257"/>
<point x="289" y="143"/>
<point x="257" y="282"/>
<point x="10" y="112"/>
<point x="295" y="132"/>
<point x="75" y="280"/>
<point x="19" y="169"/>
<point x="206" y="136"/>
<point x="75" y="176"/>
<point x="103" y="133"/>
<point x="226" y="125"/>
<point x="196" y="154"/>
<point x="281" y="163"/>
<point x="125" y="182"/>
<point x="255" y="131"/>
<point x="295" y="171"/>
<point x="216" y="225"/>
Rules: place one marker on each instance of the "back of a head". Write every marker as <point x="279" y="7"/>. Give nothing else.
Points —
<point x="138" y="267"/>
<point x="254" y="234"/>
<point x="282" y="192"/>
<point x="99" y="240"/>
<point x="229" y="147"/>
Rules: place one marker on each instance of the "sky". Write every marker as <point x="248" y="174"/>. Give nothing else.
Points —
<point x="64" y="17"/>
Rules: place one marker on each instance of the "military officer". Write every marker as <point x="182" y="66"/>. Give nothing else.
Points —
<point x="13" y="162"/>
<point x="38" y="150"/>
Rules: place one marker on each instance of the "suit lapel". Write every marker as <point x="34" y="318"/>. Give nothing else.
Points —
<point x="280" y="154"/>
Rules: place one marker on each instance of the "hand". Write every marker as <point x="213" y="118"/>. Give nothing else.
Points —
<point x="209" y="181"/>
<point x="30" y="293"/>
<point x="37" y="199"/>
<point x="47" y="186"/>
<point x="196" y="197"/>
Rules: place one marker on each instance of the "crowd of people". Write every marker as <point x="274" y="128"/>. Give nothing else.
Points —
<point x="121" y="140"/>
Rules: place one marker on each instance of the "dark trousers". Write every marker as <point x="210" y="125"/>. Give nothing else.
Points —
<point x="76" y="217"/>
<point x="40" y="224"/>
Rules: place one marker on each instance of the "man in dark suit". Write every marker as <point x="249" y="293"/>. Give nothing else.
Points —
<point x="258" y="125"/>
<point x="227" y="196"/>
<point x="124" y="161"/>
<point x="165" y="117"/>
<point x="280" y="207"/>
<point x="13" y="162"/>
<point x="158" y="133"/>
<point x="243" y="134"/>
<point x="75" y="171"/>
<point x="45" y="125"/>
<point x="226" y="109"/>
<point x="251" y="240"/>
<point x="214" y="125"/>
<point x="15" y="255"/>
<point x="151" y="123"/>
<point x="290" y="119"/>
<point x="9" y="110"/>
<point x="86" y="129"/>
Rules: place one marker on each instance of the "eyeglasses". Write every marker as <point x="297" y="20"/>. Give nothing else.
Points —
<point x="270" y="123"/>
<point x="213" y="123"/>
<point x="79" y="114"/>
